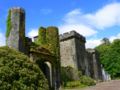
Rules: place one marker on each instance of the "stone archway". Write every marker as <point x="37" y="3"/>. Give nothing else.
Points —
<point x="47" y="63"/>
<point x="46" y="67"/>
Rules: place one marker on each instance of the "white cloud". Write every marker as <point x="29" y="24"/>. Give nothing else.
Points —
<point x="82" y="29"/>
<point x="92" y="43"/>
<point x="107" y="16"/>
<point x="2" y="39"/>
<point x="114" y="37"/>
<point x="74" y="20"/>
<point x="89" y="24"/>
<point x="32" y="33"/>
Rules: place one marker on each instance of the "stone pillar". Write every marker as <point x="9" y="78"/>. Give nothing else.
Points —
<point x="16" y="29"/>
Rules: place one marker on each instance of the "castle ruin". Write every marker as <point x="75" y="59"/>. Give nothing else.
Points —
<point x="46" y="56"/>
<point x="49" y="50"/>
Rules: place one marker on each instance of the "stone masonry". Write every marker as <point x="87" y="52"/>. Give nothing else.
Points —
<point x="73" y="53"/>
<point x="94" y="66"/>
<point x="16" y="38"/>
<point x="72" y="50"/>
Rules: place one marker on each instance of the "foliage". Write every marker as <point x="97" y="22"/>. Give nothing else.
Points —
<point x="49" y="39"/>
<point x="41" y="36"/>
<point x="9" y="26"/>
<point x="87" y="81"/>
<point x="73" y="78"/>
<point x="69" y="74"/>
<point x="103" y="51"/>
<point x="70" y="77"/>
<point x="17" y="72"/>
<point x="52" y="39"/>
<point x="72" y="84"/>
<point x="110" y="57"/>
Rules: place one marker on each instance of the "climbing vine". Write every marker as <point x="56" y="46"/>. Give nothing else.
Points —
<point x="41" y="36"/>
<point x="49" y="39"/>
<point x="52" y="39"/>
<point x="9" y="26"/>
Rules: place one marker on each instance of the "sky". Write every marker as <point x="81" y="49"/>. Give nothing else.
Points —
<point x="94" y="19"/>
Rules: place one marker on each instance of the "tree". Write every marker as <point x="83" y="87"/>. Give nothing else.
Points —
<point x="110" y="57"/>
<point x="17" y="72"/>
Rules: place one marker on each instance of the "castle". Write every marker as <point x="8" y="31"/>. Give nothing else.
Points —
<point x="73" y="53"/>
<point x="51" y="51"/>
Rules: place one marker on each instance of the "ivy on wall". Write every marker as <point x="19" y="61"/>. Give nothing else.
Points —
<point x="49" y="39"/>
<point x="41" y="36"/>
<point x="52" y="39"/>
<point x="9" y="26"/>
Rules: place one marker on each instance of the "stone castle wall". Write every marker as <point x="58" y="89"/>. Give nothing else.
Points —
<point x="73" y="53"/>
<point x="95" y="69"/>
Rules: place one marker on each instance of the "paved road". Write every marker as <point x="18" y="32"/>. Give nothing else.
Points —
<point x="110" y="85"/>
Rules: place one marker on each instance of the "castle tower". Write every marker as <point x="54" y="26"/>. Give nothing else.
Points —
<point x="72" y="50"/>
<point x="16" y="29"/>
<point x="49" y="39"/>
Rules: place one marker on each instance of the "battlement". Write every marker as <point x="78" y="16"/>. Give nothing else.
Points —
<point x="17" y="9"/>
<point x="71" y="34"/>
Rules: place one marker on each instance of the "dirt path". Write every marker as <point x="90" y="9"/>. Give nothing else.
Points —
<point x="110" y="85"/>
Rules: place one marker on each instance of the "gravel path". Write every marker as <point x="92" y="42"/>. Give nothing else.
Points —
<point x="110" y="85"/>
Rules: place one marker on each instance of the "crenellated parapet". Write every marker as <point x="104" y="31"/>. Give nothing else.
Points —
<point x="72" y="34"/>
<point x="17" y="9"/>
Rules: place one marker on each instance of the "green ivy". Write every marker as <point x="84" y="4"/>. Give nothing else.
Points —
<point x="41" y="36"/>
<point x="52" y="39"/>
<point x="9" y="26"/>
<point x="48" y="38"/>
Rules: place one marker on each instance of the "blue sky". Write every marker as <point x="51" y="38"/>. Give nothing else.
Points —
<point x="95" y="19"/>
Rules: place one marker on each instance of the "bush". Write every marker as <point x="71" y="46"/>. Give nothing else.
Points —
<point x="87" y="81"/>
<point x="18" y="73"/>
<point x="69" y="74"/>
<point x="72" y="84"/>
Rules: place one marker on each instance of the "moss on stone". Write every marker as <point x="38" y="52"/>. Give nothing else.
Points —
<point x="9" y="26"/>
<point x="48" y="38"/>
<point x="41" y="36"/>
<point x="52" y="39"/>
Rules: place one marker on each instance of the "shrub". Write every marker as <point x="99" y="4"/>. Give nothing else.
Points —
<point x="69" y="74"/>
<point x="17" y="72"/>
<point x="72" y="84"/>
<point x="87" y="81"/>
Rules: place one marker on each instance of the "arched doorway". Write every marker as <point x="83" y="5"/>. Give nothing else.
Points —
<point x="46" y="68"/>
